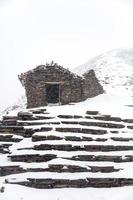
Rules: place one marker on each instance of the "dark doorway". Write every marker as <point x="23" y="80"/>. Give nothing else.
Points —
<point x="52" y="93"/>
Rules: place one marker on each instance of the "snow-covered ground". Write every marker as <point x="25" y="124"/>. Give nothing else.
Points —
<point x="22" y="193"/>
<point x="111" y="103"/>
<point x="114" y="69"/>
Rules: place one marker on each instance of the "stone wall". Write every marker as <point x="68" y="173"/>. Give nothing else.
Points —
<point x="92" y="86"/>
<point x="73" y="88"/>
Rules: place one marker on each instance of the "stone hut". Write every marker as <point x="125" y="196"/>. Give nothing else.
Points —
<point x="51" y="84"/>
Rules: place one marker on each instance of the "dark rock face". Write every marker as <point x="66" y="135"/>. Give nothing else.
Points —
<point x="64" y="86"/>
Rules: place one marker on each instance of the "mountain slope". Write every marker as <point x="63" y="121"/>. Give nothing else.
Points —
<point x="19" y="105"/>
<point x="114" y="69"/>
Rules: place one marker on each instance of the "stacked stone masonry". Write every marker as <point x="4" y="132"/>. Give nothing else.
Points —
<point x="101" y="154"/>
<point x="66" y="86"/>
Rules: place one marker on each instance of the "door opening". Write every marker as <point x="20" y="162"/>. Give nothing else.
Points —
<point x="53" y="93"/>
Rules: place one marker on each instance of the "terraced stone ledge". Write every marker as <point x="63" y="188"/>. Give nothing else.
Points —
<point x="4" y="148"/>
<point x="103" y="158"/>
<point x="8" y="170"/>
<point x="36" y="138"/>
<point x="77" y="183"/>
<point x="58" y="168"/>
<point x="82" y="130"/>
<point x="89" y="148"/>
<point x="103" y="125"/>
<point x="29" y="158"/>
<point x="9" y="138"/>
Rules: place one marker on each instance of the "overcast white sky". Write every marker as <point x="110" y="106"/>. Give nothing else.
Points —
<point x="70" y="32"/>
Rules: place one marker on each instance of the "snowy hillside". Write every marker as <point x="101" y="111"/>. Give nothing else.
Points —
<point x="114" y="69"/>
<point x="19" y="105"/>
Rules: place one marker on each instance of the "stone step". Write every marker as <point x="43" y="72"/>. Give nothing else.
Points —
<point x="4" y="148"/>
<point x="36" y="138"/>
<point x="9" y="122"/>
<point x="40" y="117"/>
<point x="16" y="130"/>
<point x="44" y="137"/>
<point x="130" y="127"/>
<point x="101" y="139"/>
<point x="69" y="122"/>
<point x="81" y="130"/>
<point x="39" y="111"/>
<point x="8" y="170"/>
<point x="29" y="158"/>
<point x="9" y="138"/>
<point x="128" y="120"/>
<point x="103" y="125"/>
<point x="121" y="139"/>
<point x="96" y="124"/>
<point x="77" y="183"/>
<point x="58" y="168"/>
<point x="102" y="158"/>
<point x="24" y="115"/>
<point x="28" y="116"/>
<point x="36" y="118"/>
<point x="25" y="123"/>
<point x="73" y="130"/>
<point x="89" y="148"/>
<point x="116" y="132"/>
<point x="12" y="129"/>
<point x="42" y="129"/>
<point x="92" y="112"/>
<point x="70" y="116"/>
<point x="80" y="139"/>
<point x="8" y="117"/>
<point x="28" y="132"/>
<point x="75" y="168"/>
<point x="105" y="118"/>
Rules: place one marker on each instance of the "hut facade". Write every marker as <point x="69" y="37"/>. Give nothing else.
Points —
<point x="53" y="84"/>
